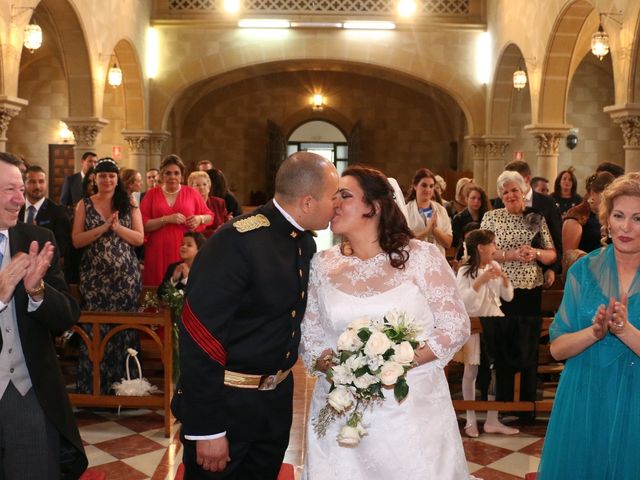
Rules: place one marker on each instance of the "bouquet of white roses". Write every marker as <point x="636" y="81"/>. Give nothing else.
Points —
<point x="372" y="355"/>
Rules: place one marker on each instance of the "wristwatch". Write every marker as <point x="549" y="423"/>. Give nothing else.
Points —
<point x="36" y="292"/>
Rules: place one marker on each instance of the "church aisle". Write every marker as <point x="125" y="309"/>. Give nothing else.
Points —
<point x="131" y="446"/>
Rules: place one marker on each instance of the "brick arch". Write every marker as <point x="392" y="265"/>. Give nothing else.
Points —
<point x="133" y="83"/>
<point x="559" y="61"/>
<point x="502" y="92"/>
<point x="327" y="114"/>
<point x="469" y="100"/>
<point x="72" y="41"/>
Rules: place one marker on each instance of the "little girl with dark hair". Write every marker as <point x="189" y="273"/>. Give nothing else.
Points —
<point x="481" y="283"/>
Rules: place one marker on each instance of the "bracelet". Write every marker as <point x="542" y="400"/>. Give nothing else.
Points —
<point x="538" y="254"/>
<point x="504" y="255"/>
<point x="162" y="220"/>
<point x="36" y="292"/>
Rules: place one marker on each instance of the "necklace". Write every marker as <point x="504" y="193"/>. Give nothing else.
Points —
<point x="172" y="193"/>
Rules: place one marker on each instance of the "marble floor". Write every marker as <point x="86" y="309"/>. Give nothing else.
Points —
<point x="131" y="445"/>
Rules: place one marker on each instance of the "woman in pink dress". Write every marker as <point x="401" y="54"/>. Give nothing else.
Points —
<point x="168" y="211"/>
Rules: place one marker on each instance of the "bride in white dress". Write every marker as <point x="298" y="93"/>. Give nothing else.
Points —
<point x="377" y="269"/>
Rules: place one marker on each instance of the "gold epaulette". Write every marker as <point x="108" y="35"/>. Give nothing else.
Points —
<point x="251" y="223"/>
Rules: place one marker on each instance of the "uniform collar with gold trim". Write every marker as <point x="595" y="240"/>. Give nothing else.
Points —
<point x="289" y="218"/>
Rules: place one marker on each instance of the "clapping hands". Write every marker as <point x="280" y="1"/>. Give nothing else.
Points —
<point x="612" y="318"/>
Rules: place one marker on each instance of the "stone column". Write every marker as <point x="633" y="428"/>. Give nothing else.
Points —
<point x="9" y="108"/>
<point x="138" y="142"/>
<point x="628" y="117"/>
<point x="495" y="148"/>
<point x="156" y="142"/>
<point x="477" y="147"/>
<point x="85" y="132"/>
<point x="548" y="138"/>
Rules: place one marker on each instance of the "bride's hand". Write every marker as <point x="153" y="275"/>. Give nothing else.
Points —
<point x="325" y="360"/>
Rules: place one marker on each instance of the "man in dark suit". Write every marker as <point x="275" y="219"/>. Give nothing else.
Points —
<point x="240" y="329"/>
<point x="39" y="438"/>
<point x="39" y="210"/>
<point x="546" y="206"/>
<point x="72" y="186"/>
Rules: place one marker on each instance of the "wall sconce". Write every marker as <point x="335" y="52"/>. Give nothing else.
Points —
<point x="519" y="78"/>
<point x="32" y="31"/>
<point x="317" y="101"/>
<point x="231" y="6"/>
<point x="65" y="134"/>
<point x="114" y="75"/>
<point x="600" y="39"/>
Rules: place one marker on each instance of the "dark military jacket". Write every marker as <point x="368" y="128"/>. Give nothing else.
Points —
<point x="245" y="299"/>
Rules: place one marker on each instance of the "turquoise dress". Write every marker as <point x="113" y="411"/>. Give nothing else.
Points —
<point x="594" y="428"/>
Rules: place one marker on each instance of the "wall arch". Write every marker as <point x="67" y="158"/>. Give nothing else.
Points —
<point x="502" y="92"/>
<point x="559" y="61"/>
<point x="468" y="96"/>
<point x="133" y="84"/>
<point x="328" y="115"/>
<point x="72" y="40"/>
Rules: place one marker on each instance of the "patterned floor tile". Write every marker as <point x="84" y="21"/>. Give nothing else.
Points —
<point x="534" y="449"/>
<point x="121" y="471"/>
<point x="483" y="453"/>
<point x="517" y="464"/>
<point x="142" y="423"/>
<point x="97" y="456"/>
<point x="491" y="474"/>
<point x="130" y="446"/>
<point x="510" y="442"/>
<point x="104" y="431"/>
<point x="147" y="462"/>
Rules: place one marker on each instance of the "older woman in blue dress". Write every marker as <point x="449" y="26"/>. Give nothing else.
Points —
<point x="595" y="422"/>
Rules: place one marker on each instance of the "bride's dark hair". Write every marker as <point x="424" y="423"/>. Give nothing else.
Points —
<point x="393" y="232"/>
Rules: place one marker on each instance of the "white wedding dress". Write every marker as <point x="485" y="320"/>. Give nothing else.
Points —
<point x="418" y="439"/>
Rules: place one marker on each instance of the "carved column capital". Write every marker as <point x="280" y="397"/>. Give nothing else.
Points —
<point x="496" y="148"/>
<point x="548" y="142"/>
<point x="630" y="130"/>
<point x="137" y="143"/>
<point x="85" y="130"/>
<point x="9" y="108"/>
<point x="157" y="141"/>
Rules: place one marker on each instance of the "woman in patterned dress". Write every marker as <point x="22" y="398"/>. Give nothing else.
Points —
<point x="108" y="226"/>
<point x="524" y="245"/>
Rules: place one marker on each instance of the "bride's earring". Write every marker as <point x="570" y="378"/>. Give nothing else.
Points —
<point x="345" y="248"/>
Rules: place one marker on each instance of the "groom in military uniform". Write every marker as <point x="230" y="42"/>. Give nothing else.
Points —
<point x="240" y="328"/>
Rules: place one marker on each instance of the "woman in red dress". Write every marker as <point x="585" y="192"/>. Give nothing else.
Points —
<point x="168" y="211"/>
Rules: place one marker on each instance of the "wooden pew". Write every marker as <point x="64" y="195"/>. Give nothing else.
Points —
<point x="516" y="405"/>
<point x="96" y="346"/>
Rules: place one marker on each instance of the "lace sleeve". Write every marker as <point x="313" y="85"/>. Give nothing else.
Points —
<point x="313" y="340"/>
<point x="451" y="326"/>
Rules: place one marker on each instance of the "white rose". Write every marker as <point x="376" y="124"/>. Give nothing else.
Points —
<point x="349" y="436"/>
<point x="374" y="363"/>
<point x="349" y="341"/>
<point x="393" y="317"/>
<point x="354" y="362"/>
<point x="365" y="381"/>
<point x="403" y="353"/>
<point x="377" y="344"/>
<point x="340" y="399"/>
<point x="342" y="375"/>
<point x="390" y="372"/>
<point x="358" y="323"/>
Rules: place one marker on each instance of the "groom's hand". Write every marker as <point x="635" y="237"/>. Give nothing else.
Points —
<point x="213" y="455"/>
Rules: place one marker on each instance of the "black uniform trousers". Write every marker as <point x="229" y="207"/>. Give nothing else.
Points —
<point x="256" y="458"/>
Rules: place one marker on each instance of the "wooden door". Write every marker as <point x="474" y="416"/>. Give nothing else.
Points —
<point x="62" y="163"/>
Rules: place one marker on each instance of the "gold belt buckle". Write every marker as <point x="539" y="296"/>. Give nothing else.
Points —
<point x="268" y="382"/>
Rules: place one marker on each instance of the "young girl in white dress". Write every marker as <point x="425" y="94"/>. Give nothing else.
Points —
<point x="481" y="283"/>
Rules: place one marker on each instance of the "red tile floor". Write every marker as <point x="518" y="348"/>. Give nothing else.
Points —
<point x="132" y="446"/>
